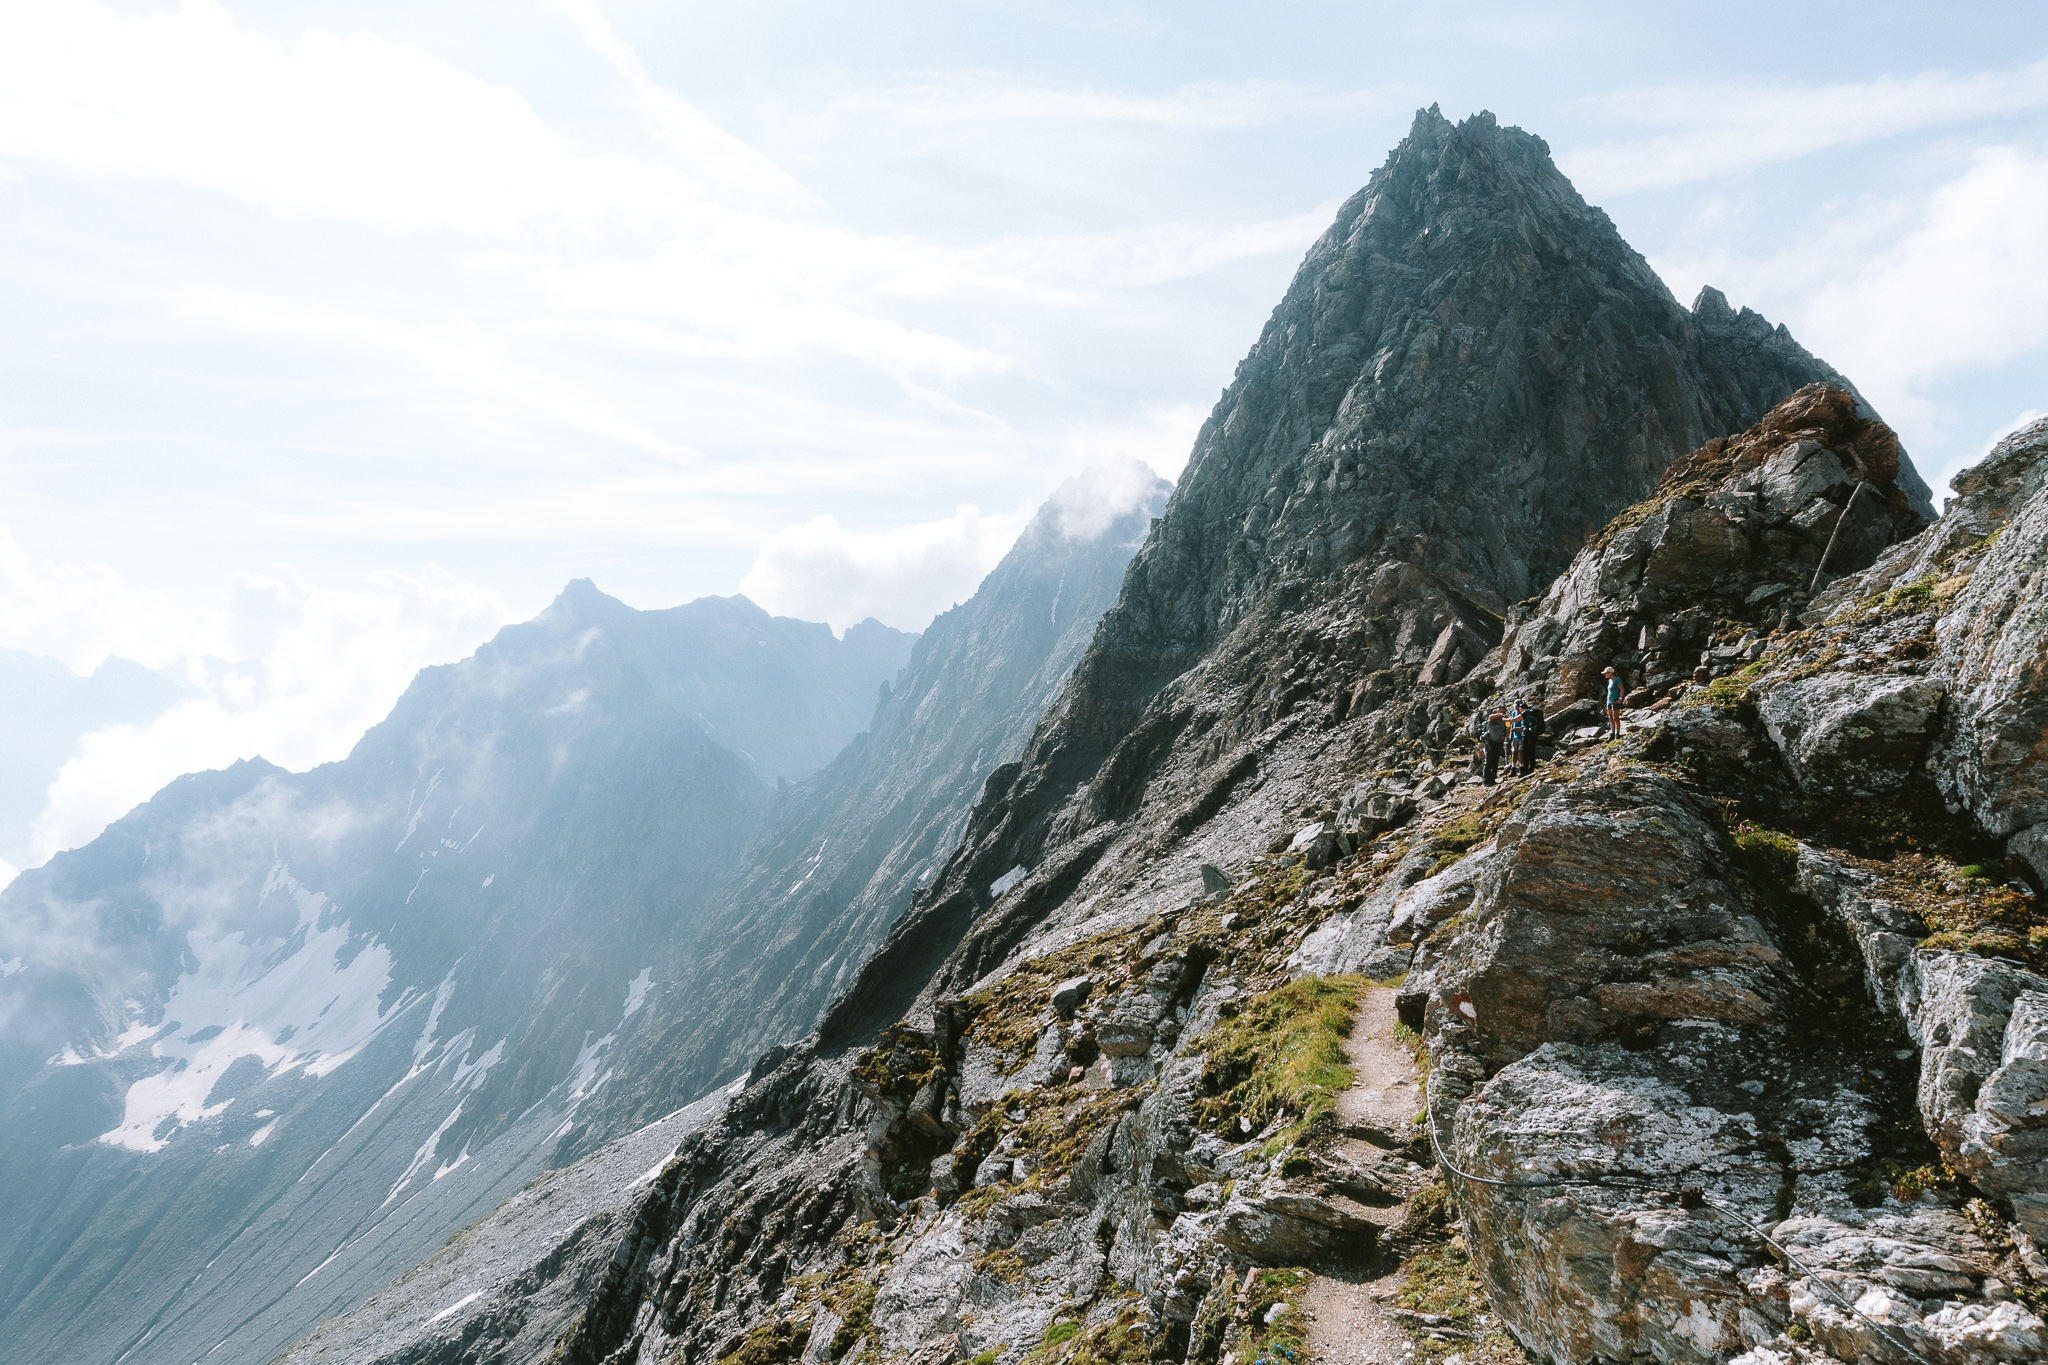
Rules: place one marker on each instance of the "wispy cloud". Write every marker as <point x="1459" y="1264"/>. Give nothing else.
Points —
<point x="989" y="97"/>
<point x="553" y="261"/>
<point x="901" y="575"/>
<point x="1906" y="293"/>
<point x="284" y="668"/>
<point x="1707" y="129"/>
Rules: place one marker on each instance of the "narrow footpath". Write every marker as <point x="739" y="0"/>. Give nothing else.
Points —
<point x="1351" y="1312"/>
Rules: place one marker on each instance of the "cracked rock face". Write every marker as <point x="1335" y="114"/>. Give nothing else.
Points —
<point x="1747" y="1074"/>
<point x="1849" y="735"/>
<point x="1607" y="909"/>
<point x="1782" y="1035"/>
<point x="1994" y="644"/>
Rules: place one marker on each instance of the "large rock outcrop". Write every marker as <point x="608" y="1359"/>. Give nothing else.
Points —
<point x="1843" y="1053"/>
<point x="1983" y="574"/>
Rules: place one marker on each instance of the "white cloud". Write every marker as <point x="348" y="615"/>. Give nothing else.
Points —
<point x="81" y="613"/>
<point x="1721" y="127"/>
<point x="902" y="575"/>
<point x="1086" y="504"/>
<point x="1162" y="439"/>
<point x="319" y="666"/>
<point x="986" y="97"/>
<point x="701" y="250"/>
<point x="905" y="575"/>
<point x="1907" y="295"/>
<point x="1965" y="286"/>
<point x="352" y="128"/>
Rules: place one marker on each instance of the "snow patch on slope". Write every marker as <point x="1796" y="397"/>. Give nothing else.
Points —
<point x="305" y="1002"/>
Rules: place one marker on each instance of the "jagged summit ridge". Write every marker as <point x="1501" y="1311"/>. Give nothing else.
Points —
<point x="1470" y="373"/>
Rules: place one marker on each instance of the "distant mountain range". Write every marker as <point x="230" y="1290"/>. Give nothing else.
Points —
<point x="45" y="711"/>
<point x="272" y="1037"/>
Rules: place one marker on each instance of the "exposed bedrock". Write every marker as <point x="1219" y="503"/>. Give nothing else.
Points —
<point x="1667" y="996"/>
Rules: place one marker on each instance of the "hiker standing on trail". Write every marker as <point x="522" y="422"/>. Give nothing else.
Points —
<point x="1525" y="727"/>
<point x="1533" y="715"/>
<point x="1495" y="738"/>
<point x="1518" y="736"/>
<point x="1613" y="704"/>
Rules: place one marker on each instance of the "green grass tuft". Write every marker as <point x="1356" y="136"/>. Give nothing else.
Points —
<point x="1728" y="695"/>
<point x="1283" y="1052"/>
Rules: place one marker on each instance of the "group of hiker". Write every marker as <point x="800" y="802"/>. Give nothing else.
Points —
<point x="1516" y="731"/>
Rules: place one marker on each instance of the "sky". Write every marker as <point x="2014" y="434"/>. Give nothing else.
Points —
<point x="335" y="334"/>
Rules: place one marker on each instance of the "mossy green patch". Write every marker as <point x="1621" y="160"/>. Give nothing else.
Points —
<point x="1282" y="1053"/>
<point x="1967" y="911"/>
<point x="902" y="1061"/>
<point x="1116" y="1339"/>
<point x="1935" y="1175"/>
<point x="1909" y="596"/>
<point x="1766" y="849"/>
<point x="1728" y="695"/>
<point x="1056" y="1133"/>
<point x="775" y="1342"/>
<point x="1005" y="1016"/>
<point x="1275" y="1323"/>
<point x="1440" y="1280"/>
<point x="1003" y="1264"/>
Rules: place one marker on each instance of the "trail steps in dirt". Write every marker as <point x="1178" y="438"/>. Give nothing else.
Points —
<point x="1350" y="1311"/>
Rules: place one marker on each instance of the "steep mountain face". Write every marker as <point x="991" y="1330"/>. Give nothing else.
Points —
<point x="1840" y="1039"/>
<point x="45" y="710"/>
<point x="274" y="1035"/>
<point x="1471" y="374"/>
<point x="837" y="858"/>
<point x="830" y="867"/>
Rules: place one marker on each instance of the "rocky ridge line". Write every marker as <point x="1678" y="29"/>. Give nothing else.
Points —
<point x="1691" y="1003"/>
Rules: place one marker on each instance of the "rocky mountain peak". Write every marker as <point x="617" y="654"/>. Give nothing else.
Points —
<point x="1469" y="375"/>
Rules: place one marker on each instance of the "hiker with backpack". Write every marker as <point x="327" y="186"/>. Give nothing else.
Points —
<point x="1528" y="719"/>
<point x="1518" y="736"/>
<point x="1493" y="739"/>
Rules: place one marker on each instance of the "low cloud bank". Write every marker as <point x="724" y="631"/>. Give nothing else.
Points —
<point x="900" y="575"/>
<point x="283" y="668"/>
